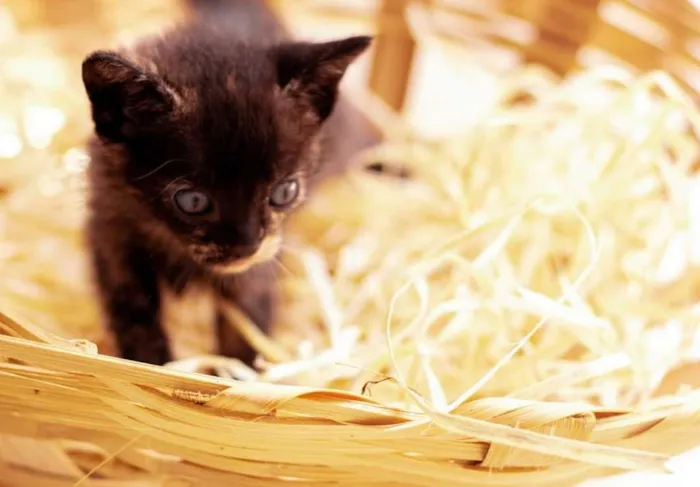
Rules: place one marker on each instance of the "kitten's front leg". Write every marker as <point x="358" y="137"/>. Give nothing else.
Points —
<point x="128" y="287"/>
<point x="254" y="292"/>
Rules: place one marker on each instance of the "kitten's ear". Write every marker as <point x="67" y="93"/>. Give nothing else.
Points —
<point x="314" y="70"/>
<point x="126" y="101"/>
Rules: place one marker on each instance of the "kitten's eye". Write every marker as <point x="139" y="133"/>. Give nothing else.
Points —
<point x="192" y="202"/>
<point x="285" y="193"/>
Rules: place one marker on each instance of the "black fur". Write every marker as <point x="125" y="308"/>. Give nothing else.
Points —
<point x="228" y="112"/>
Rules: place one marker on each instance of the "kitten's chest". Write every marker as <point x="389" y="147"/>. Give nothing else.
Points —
<point x="189" y="319"/>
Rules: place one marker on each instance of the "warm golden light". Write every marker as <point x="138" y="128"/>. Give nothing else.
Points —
<point x="523" y="311"/>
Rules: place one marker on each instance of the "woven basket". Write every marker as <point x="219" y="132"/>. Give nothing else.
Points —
<point x="94" y="420"/>
<point x="562" y="35"/>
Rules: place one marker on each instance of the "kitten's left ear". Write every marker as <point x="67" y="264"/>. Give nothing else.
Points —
<point x="314" y="70"/>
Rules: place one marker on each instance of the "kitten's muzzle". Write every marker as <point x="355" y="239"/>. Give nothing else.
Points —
<point x="212" y="254"/>
<point x="241" y="258"/>
<point x="243" y="252"/>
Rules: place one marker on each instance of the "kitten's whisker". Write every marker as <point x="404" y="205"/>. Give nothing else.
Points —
<point x="296" y="251"/>
<point x="168" y="186"/>
<point x="281" y="265"/>
<point x="151" y="173"/>
<point x="276" y="281"/>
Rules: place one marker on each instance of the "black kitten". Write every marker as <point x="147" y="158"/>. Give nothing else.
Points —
<point x="205" y="138"/>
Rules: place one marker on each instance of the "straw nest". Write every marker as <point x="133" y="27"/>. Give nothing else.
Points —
<point x="517" y="312"/>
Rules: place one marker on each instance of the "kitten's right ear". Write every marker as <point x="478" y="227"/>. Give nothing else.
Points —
<point x="313" y="70"/>
<point x="126" y="101"/>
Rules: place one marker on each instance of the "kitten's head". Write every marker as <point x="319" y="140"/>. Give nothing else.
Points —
<point x="218" y="141"/>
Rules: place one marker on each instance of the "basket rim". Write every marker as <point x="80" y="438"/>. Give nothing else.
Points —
<point x="135" y="397"/>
